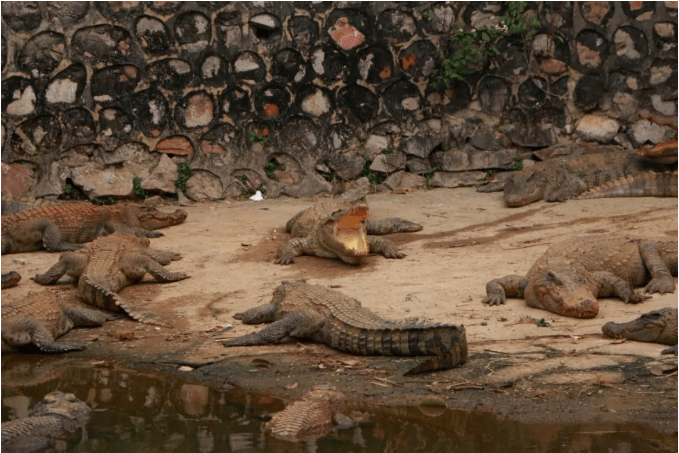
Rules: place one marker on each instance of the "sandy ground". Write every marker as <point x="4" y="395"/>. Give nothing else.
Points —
<point x="468" y="239"/>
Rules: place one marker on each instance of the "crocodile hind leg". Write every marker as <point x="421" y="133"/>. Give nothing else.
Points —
<point x="161" y="274"/>
<point x="384" y="247"/>
<point x="71" y="263"/>
<point x="296" y="324"/>
<point x="393" y="225"/>
<point x="499" y="289"/>
<point x="52" y="240"/>
<point x="86" y="317"/>
<point x="24" y="331"/>
<point x="661" y="277"/>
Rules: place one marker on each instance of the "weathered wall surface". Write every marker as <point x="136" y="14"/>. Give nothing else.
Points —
<point x="289" y="97"/>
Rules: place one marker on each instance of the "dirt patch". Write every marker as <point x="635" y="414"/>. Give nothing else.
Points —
<point x="518" y="368"/>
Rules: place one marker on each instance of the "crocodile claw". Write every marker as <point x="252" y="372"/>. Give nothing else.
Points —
<point x="660" y="285"/>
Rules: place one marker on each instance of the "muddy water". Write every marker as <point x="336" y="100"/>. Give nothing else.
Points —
<point x="136" y="411"/>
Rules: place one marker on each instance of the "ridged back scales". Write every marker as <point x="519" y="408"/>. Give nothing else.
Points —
<point x="44" y="307"/>
<point x="618" y="255"/>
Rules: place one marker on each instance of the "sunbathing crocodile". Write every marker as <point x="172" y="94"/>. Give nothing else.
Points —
<point x="658" y="326"/>
<point x="10" y="279"/>
<point x="570" y="276"/>
<point x="38" y="318"/>
<point x="562" y="178"/>
<point x="339" y="228"/>
<point x="301" y="310"/>
<point x="57" y="414"/>
<point x="310" y="417"/>
<point x="67" y="226"/>
<point x="109" y="264"/>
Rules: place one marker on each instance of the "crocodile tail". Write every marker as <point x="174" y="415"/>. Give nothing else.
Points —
<point x="95" y="293"/>
<point x="446" y="343"/>
<point x="646" y="184"/>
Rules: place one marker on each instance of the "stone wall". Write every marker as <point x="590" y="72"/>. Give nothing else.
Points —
<point x="291" y="97"/>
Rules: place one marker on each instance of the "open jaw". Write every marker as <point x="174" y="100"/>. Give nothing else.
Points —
<point x="350" y="232"/>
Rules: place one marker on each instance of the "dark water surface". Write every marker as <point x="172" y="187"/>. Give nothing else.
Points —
<point x="146" y="412"/>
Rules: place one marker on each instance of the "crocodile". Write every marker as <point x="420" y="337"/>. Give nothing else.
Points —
<point x="68" y="226"/>
<point x="10" y="279"/>
<point x="559" y="179"/>
<point x="40" y="317"/>
<point x="657" y="326"/>
<point x="339" y="228"/>
<point x="310" y="417"/>
<point x="664" y="153"/>
<point x="57" y="414"/>
<point x="570" y="275"/>
<point x="301" y="310"/>
<point x="646" y="184"/>
<point x="109" y="264"/>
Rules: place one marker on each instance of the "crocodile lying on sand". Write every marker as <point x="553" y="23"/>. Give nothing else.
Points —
<point x="339" y="228"/>
<point x="309" y="417"/>
<point x="10" y="279"/>
<point x="570" y="276"/>
<point x="658" y="326"/>
<point x="40" y="317"/>
<point x="57" y="414"/>
<point x="109" y="264"/>
<point x="67" y="226"/>
<point x="559" y="179"/>
<point x="301" y="310"/>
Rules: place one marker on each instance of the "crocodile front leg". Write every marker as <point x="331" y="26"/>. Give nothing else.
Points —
<point x="292" y="248"/>
<point x="296" y="324"/>
<point x="661" y="277"/>
<point x="71" y="263"/>
<point x="112" y="227"/>
<point x="569" y="186"/>
<point x="259" y="314"/>
<point x="163" y="257"/>
<point x="612" y="285"/>
<point x="394" y="225"/>
<point x="499" y="289"/>
<point x="25" y="331"/>
<point x="384" y="247"/>
<point x="160" y="273"/>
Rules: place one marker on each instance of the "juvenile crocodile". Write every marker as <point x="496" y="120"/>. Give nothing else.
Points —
<point x="38" y="318"/>
<point x="570" y="276"/>
<point x="665" y="152"/>
<point x="67" y="226"/>
<point x="657" y="326"/>
<point x="57" y="414"/>
<point x="109" y="264"/>
<point x="339" y="228"/>
<point x="10" y="279"/>
<point x="301" y="310"/>
<point x="562" y="178"/>
<point x="647" y="184"/>
<point x="310" y="417"/>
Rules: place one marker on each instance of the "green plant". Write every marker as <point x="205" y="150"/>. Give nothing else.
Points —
<point x="256" y="138"/>
<point x="430" y="174"/>
<point x="373" y="177"/>
<point x="385" y="151"/>
<point x="184" y="174"/>
<point x="103" y="201"/>
<point x="270" y="167"/>
<point x="467" y="48"/>
<point x="243" y="178"/>
<point x="518" y="165"/>
<point x="138" y="190"/>
<point x="67" y="188"/>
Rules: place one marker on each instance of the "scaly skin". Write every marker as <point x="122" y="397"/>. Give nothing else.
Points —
<point x="10" y="279"/>
<point x="664" y="153"/>
<point x="569" y="277"/>
<point x="325" y="316"/>
<point x="67" y="226"/>
<point x="109" y="264"/>
<point x="658" y="326"/>
<point x="647" y="184"/>
<point x="339" y="228"/>
<point x="310" y="417"/>
<point x="38" y="318"/>
<point x="563" y="178"/>
<point x="54" y="416"/>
